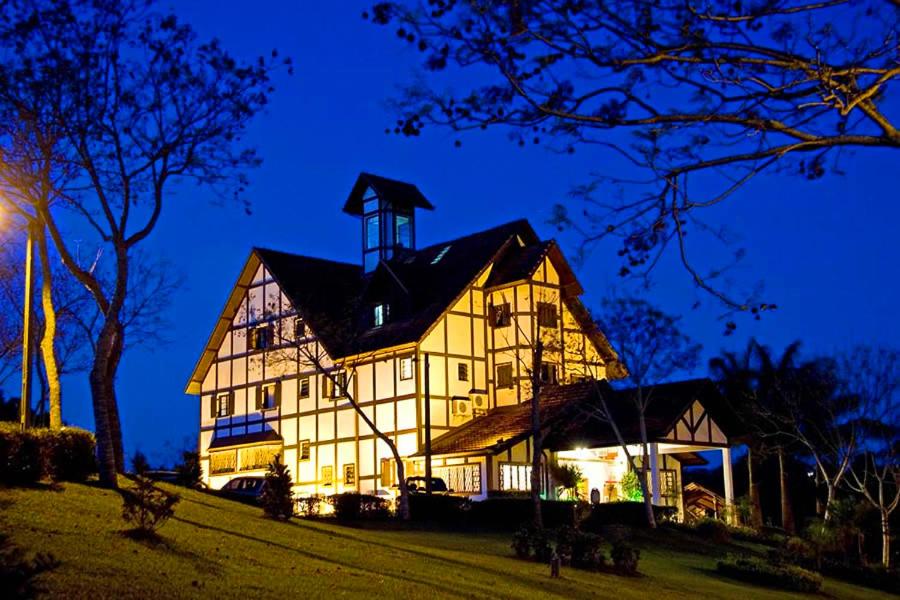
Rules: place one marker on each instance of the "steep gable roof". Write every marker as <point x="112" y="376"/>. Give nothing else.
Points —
<point x="396" y="192"/>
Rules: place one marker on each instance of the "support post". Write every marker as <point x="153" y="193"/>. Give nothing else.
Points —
<point x="729" y="485"/>
<point x="27" y="345"/>
<point x="654" y="473"/>
<point x="427" y="426"/>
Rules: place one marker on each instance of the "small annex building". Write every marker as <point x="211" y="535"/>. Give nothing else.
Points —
<point x="432" y="342"/>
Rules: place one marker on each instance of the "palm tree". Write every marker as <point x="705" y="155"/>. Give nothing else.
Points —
<point x="736" y="381"/>
<point x="771" y="378"/>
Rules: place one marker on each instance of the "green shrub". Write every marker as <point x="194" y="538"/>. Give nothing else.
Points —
<point x="277" y="497"/>
<point x="713" y="530"/>
<point x="309" y="506"/>
<point x="632" y="514"/>
<point x="189" y="473"/>
<point x="353" y="506"/>
<point x="440" y="508"/>
<point x="529" y="542"/>
<point x="875" y="576"/>
<point x="586" y="552"/>
<point x="625" y="558"/>
<point x="28" y="456"/>
<point x="18" y="571"/>
<point x="508" y="513"/>
<point x="147" y="507"/>
<point x="761" y="572"/>
<point x="70" y="454"/>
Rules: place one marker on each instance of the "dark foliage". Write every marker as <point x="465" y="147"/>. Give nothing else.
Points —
<point x="875" y="577"/>
<point x="507" y="514"/>
<point x="761" y="572"/>
<point x="147" y="507"/>
<point x="352" y="506"/>
<point x="630" y="514"/>
<point x="139" y="463"/>
<point x="579" y="549"/>
<point x="28" y="456"/>
<point x="453" y="511"/>
<point x="625" y="558"/>
<point x="18" y="572"/>
<point x="309" y="506"/>
<point x="713" y="530"/>
<point x="188" y="470"/>
<point x="277" y="497"/>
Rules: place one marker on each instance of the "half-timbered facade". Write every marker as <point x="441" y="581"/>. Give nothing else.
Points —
<point x="432" y="342"/>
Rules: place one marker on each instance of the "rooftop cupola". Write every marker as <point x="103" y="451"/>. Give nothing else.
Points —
<point x="387" y="208"/>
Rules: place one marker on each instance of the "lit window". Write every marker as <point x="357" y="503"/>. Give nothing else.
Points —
<point x="223" y="405"/>
<point x="406" y="368"/>
<point x="504" y="375"/>
<point x="267" y="397"/>
<point x="462" y="372"/>
<point x="304" y="450"/>
<point x="381" y="313"/>
<point x="327" y="475"/>
<point x="304" y="387"/>
<point x="548" y="373"/>
<point x="370" y="205"/>
<point x="402" y="231"/>
<point x="546" y="314"/>
<point x="500" y="315"/>
<point x="372" y="235"/>
<point x="350" y="474"/>
<point x="440" y="255"/>
<point x="515" y="477"/>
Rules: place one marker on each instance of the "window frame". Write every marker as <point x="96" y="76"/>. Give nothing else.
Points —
<point x="326" y="481"/>
<point x="462" y="371"/>
<point x="303" y="451"/>
<point x="255" y="337"/>
<point x="547" y="315"/>
<point x="408" y="360"/>
<point x="497" y="383"/>
<point x="276" y="401"/>
<point x="500" y="315"/>
<point x="551" y="367"/>
<point x="335" y="392"/>
<point x="381" y="314"/>
<point x="349" y="468"/>
<point x="228" y="409"/>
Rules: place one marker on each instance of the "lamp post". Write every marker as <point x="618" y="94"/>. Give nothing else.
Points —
<point x="27" y="351"/>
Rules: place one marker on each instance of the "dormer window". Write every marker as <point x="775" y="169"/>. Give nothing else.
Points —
<point x="381" y="314"/>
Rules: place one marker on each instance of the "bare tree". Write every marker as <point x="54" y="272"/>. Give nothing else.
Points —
<point x="720" y="91"/>
<point x="653" y="349"/>
<point x="873" y="374"/>
<point x="132" y="103"/>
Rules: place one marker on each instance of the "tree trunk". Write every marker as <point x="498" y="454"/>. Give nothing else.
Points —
<point x="645" y="464"/>
<point x="102" y="398"/>
<point x="756" y="518"/>
<point x="48" y="347"/>
<point x="819" y="508"/>
<point x="787" y="513"/>
<point x="886" y="539"/>
<point x="828" y="501"/>
<point x="115" y="422"/>
<point x="536" y="450"/>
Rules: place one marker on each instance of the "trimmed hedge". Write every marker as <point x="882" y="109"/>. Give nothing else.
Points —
<point x="758" y="571"/>
<point x="28" y="456"/>
<point x="622" y="513"/>
<point x="351" y="506"/>
<point x="439" y="508"/>
<point x="507" y="514"/>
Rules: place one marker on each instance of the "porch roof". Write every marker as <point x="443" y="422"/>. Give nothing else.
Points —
<point x="570" y="418"/>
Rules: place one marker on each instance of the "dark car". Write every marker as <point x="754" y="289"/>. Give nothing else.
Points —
<point x="416" y="485"/>
<point x="245" y="489"/>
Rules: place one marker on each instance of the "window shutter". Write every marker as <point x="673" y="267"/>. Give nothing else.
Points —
<point x="259" y="397"/>
<point x="230" y="403"/>
<point x="213" y="400"/>
<point x="278" y="393"/>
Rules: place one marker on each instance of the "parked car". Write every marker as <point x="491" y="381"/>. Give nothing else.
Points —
<point x="244" y="489"/>
<point x="416" y="485"/>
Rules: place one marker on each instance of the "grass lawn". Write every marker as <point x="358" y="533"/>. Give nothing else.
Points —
<point x="219" y="548"/>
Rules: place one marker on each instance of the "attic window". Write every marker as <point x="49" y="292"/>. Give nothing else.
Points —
<point x="381" y="314"/>
<point x="440" y="255"/>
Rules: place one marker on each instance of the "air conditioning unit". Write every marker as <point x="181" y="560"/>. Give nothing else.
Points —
<point x="479" y="401"/>
<point x="461" y="407"/>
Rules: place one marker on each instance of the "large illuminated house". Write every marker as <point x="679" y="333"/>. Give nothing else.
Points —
<point x="475" y="307"/>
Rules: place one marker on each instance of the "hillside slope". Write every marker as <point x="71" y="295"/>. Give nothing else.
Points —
<point x="218" y="548"/>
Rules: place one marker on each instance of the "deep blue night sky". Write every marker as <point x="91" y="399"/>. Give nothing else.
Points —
<point x="827" y="250"/>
